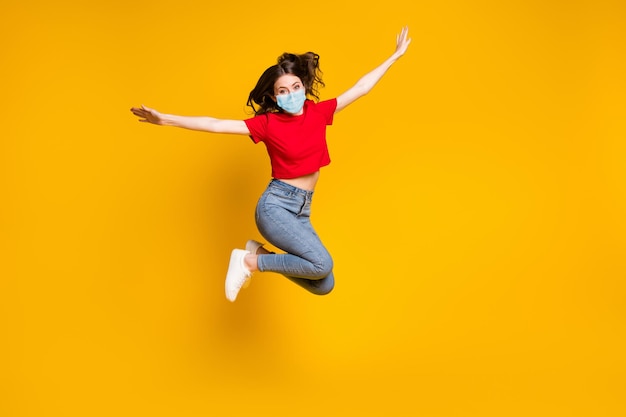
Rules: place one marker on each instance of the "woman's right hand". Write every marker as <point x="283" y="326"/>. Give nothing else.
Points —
<point x="147" y="115"/>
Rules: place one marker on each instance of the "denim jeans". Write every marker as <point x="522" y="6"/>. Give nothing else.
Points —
<point x="283" y="218"/>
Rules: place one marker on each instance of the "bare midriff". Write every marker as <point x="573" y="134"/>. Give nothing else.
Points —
<point x="305" y="182"/>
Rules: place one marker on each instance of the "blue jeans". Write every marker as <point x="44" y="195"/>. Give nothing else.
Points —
<point x="283" y="218"/>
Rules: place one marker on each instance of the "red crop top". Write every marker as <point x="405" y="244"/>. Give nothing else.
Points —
<point x="296" y="145"/>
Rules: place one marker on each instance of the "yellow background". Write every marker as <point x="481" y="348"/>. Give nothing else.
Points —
<point x="475" y="208"/>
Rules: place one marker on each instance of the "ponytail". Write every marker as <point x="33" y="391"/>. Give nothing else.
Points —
<point x="305" y="66"/>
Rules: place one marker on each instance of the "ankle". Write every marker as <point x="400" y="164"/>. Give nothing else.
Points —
<point x="250" y="262"/>
<point x="263" y="251"/>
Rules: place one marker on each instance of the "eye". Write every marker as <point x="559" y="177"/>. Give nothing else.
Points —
<point x="281" y="92"/>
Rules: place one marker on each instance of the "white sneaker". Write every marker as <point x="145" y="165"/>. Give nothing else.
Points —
<point x="252" y="246"/>
<point x="238" y="275"/>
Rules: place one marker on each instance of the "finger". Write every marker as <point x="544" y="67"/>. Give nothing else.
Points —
<point x="401" y="36"/>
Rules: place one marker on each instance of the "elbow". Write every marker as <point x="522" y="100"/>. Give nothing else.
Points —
<point x="212" y="125"/>
<point x="362" y="90"/>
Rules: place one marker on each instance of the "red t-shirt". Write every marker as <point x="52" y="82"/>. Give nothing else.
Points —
<point x="296" y="144"/>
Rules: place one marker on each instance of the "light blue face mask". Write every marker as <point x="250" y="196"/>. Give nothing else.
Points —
<point x="292" y="102"/>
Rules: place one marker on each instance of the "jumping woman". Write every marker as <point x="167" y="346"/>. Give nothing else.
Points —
<point x="291" y="121"/>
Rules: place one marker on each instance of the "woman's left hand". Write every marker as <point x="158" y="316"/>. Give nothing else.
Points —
<point x="402" y="42"/>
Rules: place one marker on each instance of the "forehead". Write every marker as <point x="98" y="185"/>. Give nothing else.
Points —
<point x="286" y="80"/>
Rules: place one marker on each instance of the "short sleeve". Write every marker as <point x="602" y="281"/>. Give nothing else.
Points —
<point x="257" y="126"/>
<point x="327" y="109"/>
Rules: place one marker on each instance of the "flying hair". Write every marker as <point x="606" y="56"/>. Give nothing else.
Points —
<point x="305" y="66"/>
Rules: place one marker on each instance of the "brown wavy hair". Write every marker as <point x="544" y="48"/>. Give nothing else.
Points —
<point x="305" y="66"/>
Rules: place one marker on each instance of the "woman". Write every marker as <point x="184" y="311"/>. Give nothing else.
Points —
<point x="293" y="129"/>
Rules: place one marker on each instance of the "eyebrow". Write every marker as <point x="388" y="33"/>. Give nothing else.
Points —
<point x="282" y="86"/>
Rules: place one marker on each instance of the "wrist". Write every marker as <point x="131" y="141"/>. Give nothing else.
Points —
<point x="168" y="120"/>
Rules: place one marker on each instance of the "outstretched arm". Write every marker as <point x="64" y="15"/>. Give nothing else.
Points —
<point x="369" y="80"/>
<point x="205" y="124"/>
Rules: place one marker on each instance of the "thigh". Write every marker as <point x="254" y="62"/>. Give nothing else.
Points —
<point x="279" y="221"/>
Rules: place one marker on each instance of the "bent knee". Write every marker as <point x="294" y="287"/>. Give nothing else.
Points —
<point x="323" y="286"/>
<point x="324" y="267"/>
